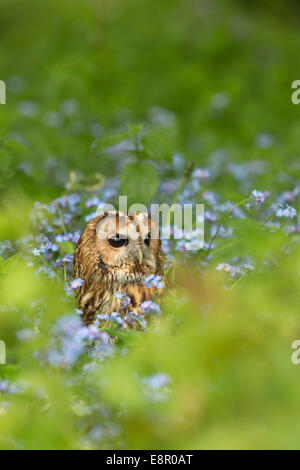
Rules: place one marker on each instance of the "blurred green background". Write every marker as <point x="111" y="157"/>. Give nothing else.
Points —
<point x="79" y="72"/>
<point x="110" y="62"/>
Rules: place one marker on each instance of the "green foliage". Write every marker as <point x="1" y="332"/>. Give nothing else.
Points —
<point x="109" y="141"/>
<point x="139" y="181"/>
<point x="8" y="264"/>
<point x="160" y="143"/>
<point x="102" y="92"/>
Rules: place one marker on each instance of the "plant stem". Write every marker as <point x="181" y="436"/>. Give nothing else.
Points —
<point x="186" y="176"/>
<point x="61" y="217"/>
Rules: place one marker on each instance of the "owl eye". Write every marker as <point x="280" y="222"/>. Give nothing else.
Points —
<point x="147" y="240"/>
<point x="117" y="241"/>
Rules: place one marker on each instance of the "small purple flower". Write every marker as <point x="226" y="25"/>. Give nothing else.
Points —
<point x="73" y="285"/>
<point x="76" y="283"/>
<point x="76" y="236"/>
<point x="119" y="295"/>
<point x="61" y="238"/>
<point x="47" y="245"/>
<point x="66" y="237"/>
<point x="65" y="260"/>
<point x="157" y="380"/>
<point x="93" y="333"/>
<point x="148" y="306"/>
<point x="26" y="334"/>
<point x="108" y="193"/>
<point x="116" y="318"/>
<point x="248" y="267"/>
<point x="149" y="279"/>
<point x="201" y="173"/>
<point x="287" y="211"/>
<point x="167" y="186"/>
<point x="177" y="233"/>
<point x="181" y="245"/>
<point x="125" y="301"/>
<point x="93" y="201"/>
<point x="68" y="201"/>
<point x="210" y="197"/>
<point x="101" y="317"/>
<point x="154" y="281"/>
<point x="224" y="267"/>
<point x="7" y="387"/>
<point x="210" y="216"/>
<point x="232" y="270"/>
<point x="193" y="245"/>
<point x="68" y="325"/>
<point x="259" y="196"/>
<point x="287" y="196"/>
<point x="70" y="339"/>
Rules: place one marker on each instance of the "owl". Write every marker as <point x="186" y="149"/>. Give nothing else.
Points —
<point x="116" y="252"/>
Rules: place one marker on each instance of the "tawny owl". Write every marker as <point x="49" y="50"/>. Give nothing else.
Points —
<point x="116" y="253"/>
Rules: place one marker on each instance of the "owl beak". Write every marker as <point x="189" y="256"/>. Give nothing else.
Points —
<point x="140" y="256"/>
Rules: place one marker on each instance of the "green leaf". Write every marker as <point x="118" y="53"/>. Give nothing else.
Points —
<point x="139" y="182"/>
<point x="110" y="140"/>
<point x="160" y="143"/>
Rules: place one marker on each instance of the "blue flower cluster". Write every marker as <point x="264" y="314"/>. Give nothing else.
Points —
<point x="70" y="339"/>
<point x="48" y="250"/>
<point x="154" y="281"/>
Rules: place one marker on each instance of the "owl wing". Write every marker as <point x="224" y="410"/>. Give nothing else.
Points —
<point x="85" y="267"/>
<point x="84" y="254"/>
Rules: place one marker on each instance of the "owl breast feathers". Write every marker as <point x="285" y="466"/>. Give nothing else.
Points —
<point x="115" y="253"/>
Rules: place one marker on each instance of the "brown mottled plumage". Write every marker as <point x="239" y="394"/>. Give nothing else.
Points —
<point x="107" y="268"/>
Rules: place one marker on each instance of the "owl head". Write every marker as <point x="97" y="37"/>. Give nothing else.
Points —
<point x="128" y="239"/>
<point x="123" y="247"/>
